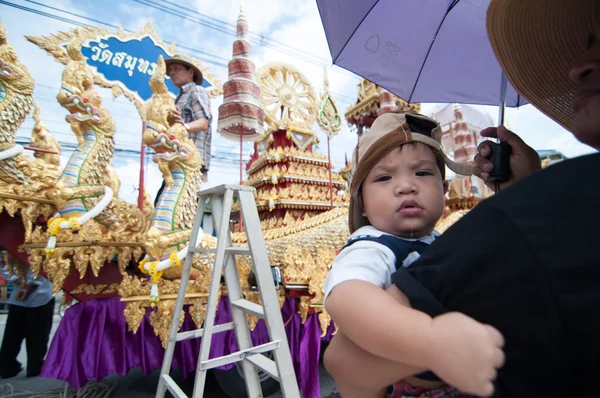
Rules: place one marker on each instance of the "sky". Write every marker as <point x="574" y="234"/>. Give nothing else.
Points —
<point x="288" y="31"/>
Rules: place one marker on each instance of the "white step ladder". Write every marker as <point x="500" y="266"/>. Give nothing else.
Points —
<point x="281" y="368"/>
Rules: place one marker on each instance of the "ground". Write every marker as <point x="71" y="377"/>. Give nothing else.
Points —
<point x="132" y="385"/>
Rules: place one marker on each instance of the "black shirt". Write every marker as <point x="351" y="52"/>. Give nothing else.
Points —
<point x="526" y="261"/>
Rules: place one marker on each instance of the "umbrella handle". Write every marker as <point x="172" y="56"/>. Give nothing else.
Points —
<point x="500" y="158"/>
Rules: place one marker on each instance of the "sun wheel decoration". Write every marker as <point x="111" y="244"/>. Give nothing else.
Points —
<point x="288" y="99"/>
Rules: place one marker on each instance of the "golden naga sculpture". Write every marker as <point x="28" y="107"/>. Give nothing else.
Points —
<point x="180" y="163"/>
<point x="89" y="210"/>
<point x="168" y="238"/>
<point x="24" y="182"/>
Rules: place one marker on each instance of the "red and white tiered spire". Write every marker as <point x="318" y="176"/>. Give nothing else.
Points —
<point x="241" y="116"/>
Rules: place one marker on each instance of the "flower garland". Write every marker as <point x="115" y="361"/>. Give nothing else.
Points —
<point x="54" y="227"/>
<point x="155" y="274"/>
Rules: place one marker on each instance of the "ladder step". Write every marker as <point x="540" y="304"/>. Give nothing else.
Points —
<point x="238" y="355"/>
<point x="264" y="363"/>
<point x="237" y="250"/>
<point x="249" y="306"/>
<point x="193" y="334"/>
<point x="220" y="190"/>
<point x="173" y="387"/>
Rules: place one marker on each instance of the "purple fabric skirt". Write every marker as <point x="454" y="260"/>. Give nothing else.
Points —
<point x="92" y="342"/>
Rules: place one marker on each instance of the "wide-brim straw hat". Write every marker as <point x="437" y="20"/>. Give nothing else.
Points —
<point x="185" y="60"/>
<point x="390" y="131"/>
<point x="537" y="42"/>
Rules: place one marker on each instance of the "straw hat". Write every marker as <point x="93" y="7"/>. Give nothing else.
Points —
<point x="537" y="42"/>
<point x="185" y="60"/>
<point x="389" y="131"/>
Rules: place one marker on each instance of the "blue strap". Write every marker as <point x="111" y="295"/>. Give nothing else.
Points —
<point x="400" y="247"/>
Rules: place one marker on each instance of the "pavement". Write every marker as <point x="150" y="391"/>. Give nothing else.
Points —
<point x="132" y="385"/>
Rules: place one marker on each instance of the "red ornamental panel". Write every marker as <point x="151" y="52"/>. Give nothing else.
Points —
<point x="241" y="65"/>
<point x="232" y="87"/>
<point x="242" y="28"/>
<point x="241" y="48"/>
<point x="245" y="110"/>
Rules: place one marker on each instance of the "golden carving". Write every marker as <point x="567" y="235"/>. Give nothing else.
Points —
<point x="134" y="314"/>
<point x="41" y="139"/>
<point x="329" y="118"/>
<point x="303" y="307"/>
<point x="288" y="154"/>
<point x="367" y="103"/>
<point x="307" y="195"/>
<point x="253" y="296"/>
<point x="24" y="182"/>
<point x="160" y="319"/>
<point x="295" y="171"/>
<point x="325" y="321"/>
<point x="323" y="261"/>
<point x="287" y="98"/>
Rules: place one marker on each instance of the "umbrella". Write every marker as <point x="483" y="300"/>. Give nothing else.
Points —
<point x="420" y="50"/>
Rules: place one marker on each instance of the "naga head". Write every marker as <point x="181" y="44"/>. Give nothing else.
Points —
<point x="16" y="92"/>
<point x="78" y="95"/>
<point x="13" y="75"/>
<point x="169" y="140"/>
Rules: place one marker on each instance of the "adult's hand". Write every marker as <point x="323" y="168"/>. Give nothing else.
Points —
<point x="524" y="160"/>
<point x="177" y="116"/>
<point x="465" y="353"/>
<point x="22" y="294"/>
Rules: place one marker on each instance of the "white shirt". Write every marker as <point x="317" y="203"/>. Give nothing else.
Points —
<point x="368" y="261"/>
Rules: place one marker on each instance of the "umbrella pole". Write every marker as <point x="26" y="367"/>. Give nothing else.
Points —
<point x="502" y="99"/>
<point x="241" y="180"/>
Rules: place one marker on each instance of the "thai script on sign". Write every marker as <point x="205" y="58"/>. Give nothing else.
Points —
<point x="128" y="62"/>
<point x="122" y="59"/>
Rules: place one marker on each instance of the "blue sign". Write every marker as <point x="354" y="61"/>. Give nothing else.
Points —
<point x="130" y="62"/>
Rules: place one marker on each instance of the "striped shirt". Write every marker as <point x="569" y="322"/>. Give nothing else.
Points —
<point x="194" y="104"/>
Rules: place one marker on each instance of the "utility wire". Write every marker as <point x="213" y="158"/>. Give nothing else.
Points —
<point x="171" y="12"/>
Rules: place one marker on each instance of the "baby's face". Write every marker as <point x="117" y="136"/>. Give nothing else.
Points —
<point x="403" y="194"/>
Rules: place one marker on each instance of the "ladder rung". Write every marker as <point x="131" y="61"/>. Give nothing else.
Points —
<point x="220" y="190"/>
<point x="249" y="306"/>
<point x="232" y="250"/>
<point x="264" y="363"/>
<point x="238" y="355"/>
<point x="173" y="387"/>
<point x="238" y="250"/>
<point x="192" y="334"/>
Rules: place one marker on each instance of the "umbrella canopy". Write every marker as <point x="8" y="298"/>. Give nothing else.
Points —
<point x="420" y="50"/>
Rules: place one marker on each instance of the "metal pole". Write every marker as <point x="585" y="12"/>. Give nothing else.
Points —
<point x="502" y="101"/>
<point x="330" y="177"/>
<point x="142" y="165"/>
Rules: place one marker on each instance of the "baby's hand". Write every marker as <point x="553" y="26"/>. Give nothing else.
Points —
<point x="466" y="353"/>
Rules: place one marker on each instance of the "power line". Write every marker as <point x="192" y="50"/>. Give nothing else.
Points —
<point x="173" y="13"/>
<point x="259" y="37"/>
<point x="66" y="20"/>
<point x="308" y="57"/>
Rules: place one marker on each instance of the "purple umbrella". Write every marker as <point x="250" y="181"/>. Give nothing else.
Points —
<point x="420" y="50"/>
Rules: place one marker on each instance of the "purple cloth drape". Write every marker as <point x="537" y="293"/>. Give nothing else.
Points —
<point x="92" y="342"/>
